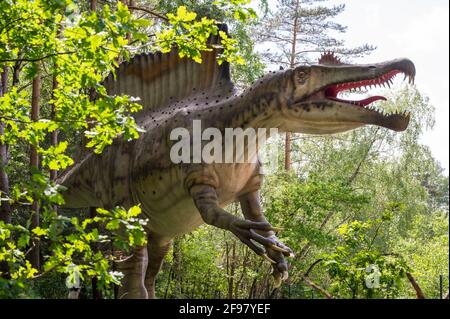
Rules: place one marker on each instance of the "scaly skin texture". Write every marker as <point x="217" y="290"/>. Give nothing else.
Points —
<point x="177" y="198"/>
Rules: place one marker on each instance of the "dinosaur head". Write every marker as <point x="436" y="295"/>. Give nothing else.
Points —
<point x="314" y="104"/>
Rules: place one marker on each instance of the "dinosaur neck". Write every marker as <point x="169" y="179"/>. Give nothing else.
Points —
<point x="260" y="106"/>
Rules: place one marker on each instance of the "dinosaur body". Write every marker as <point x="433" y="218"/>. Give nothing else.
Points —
<point x="177" y="198"/>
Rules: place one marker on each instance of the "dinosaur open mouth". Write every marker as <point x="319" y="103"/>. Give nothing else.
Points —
<point x="332" y="91"/>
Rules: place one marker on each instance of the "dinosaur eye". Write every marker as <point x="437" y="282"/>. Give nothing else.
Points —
<point x="301" y="76"/>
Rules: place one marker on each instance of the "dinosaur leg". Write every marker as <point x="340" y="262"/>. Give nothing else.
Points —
<point x="133" y="269"/>
<point x="277" y="251"/>
<point x="157" y="250"/>
<point x="205" y="199"/>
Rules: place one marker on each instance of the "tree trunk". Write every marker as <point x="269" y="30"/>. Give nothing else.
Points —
<point x="287" y="152"/>
<point x="54" y="134"/>
<point x="93" y="6"/>
<point x="5" y="208"/>
<point x="177" y="267"/>
<point x="232" y="269"/>
<point x="34" y="164"/>
<point x="130" y="4"/>
<point x="243" y="273"/>
<point x="293" y="60"/>
<point x="96" y="292"/>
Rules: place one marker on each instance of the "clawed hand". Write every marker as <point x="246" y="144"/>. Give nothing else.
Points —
<point x="274" y="251"/>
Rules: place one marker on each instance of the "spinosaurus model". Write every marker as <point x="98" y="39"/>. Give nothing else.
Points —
<point x="177" y="198"/>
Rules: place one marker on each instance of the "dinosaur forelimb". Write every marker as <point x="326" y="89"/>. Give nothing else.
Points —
<point x="275" y="249"/>
<point x="205" y="199"/>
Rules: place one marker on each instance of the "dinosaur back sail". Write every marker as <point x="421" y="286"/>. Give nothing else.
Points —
<point x="160" y="79"/>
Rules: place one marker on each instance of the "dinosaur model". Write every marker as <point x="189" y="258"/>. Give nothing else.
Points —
<point x="177" y="198"/>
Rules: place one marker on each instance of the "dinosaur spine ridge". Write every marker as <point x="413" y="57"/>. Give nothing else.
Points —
<point x="160" y="79"/>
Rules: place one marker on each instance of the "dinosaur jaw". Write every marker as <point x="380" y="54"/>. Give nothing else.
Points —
<point x="353" y="78"/>
<point x="332" y="91"/>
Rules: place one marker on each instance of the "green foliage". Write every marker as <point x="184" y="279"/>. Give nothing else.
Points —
<point x="426" y="247"/>
<point x="77" y="248"/>
<point x="360" y="269"/>
<point x="81" y="51"/>
<point x="302" y="206"/>
<point x="190" y="35"/>
<point x="238" y="49"/>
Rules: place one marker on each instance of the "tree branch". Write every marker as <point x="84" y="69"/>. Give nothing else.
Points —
<point x="366" y="154"/>
<point x="37" y="59"/>
<point x="313" y="285"/>
<point x="419" y="292"/>
<point x="314" y="264"/>
<point x="153" y="13"/>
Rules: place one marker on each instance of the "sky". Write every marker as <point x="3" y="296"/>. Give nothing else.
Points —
<point x="416" y="29"/>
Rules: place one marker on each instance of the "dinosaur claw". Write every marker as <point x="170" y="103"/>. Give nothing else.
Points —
<point x="276" y="229"/>
<point x="277" y="282"/>
<point x="285" y="275"/>
<point x="268" y="259"/>
<point x="280" y="249"/>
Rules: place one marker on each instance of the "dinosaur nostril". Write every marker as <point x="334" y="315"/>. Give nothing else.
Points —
<point x="372" y="67"/>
